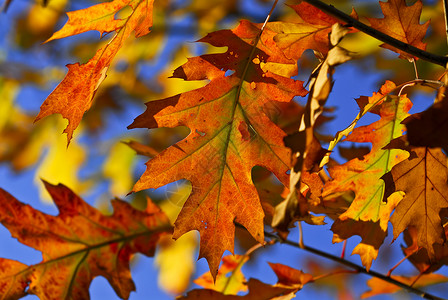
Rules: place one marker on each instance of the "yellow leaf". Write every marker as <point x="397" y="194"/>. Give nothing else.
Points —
<point x="176" y="262"/>
<point x="118" y="168"/>
<point x="60" y="164"/>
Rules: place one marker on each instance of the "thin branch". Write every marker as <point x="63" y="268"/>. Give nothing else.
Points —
<point x="427" y="56"/>
<point x="344" y="246"/>
<point x="356" y="267"/>
<point x="400" y="262"/>
<point x="445" y="13"/>
<point x="241" y="262"/>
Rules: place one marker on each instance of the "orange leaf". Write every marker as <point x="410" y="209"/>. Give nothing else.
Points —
<point x="419" y="256"/>
<point x="78" y="244"/>
<point x="402" y="22"/>
<point x="230" y="134"/>
<point x="74" y="95"/>
<point x="230" y="279"/>
<point x="368" y="215"/>
<point x="379" y="286"/>
<point x="13" y="279"/>
<point x="429" y="128"/>
<point x="309" y="33"/>
<point x="290" y="277"/>
<point x="423" y="177"/>
<point x="289" y="282"/>
<point x="257" y="291"/>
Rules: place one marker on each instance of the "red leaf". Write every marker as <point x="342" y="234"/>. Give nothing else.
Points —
<point x="77" y="245"/>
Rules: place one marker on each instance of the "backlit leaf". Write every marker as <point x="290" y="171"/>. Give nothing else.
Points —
<point x="230" y="279"/>
<point x="311" y="32"/>
<point x="290" y="277"/>
<point x="368" y="215"/>
<point x="403" y="23"/>
<point x="424" y="180"/>
<point x="379" y="286"/>
<point x="77" y="245"/>
<point x="230" y="134"/>
<point x="429" y="128"/>
<point x="74" y="95"/>
<point x="257" y="291"/>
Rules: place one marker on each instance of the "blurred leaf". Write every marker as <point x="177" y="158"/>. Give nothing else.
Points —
<point x="176" y="262"/>
<point x="74" y="95"/>
<point x="379" y="286"/>
<point x="118" y="168"/>
<point x="59" y="163"/>
<point x="230" y="280"/>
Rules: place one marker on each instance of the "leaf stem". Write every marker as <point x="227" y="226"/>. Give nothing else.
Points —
<point x="424" y="55"/>
<point x="401" y="261"/>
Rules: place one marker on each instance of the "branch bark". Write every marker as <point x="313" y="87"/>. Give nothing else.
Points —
<point x="356" y="267"/>
<point x="424" y="55"/>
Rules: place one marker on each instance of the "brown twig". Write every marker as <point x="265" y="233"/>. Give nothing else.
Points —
<point x="354" y="266"/>
<point x="349" y="264"/>
<point x="401" y="261"/>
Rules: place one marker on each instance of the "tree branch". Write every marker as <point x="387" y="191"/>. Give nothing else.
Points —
<point x="355" y="267"/>
<point x="427" y="56"/>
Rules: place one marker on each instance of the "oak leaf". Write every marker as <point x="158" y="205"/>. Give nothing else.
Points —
<point x="368" y="215"/>
<point x="230" y="134"/>
<point x="303" y="142"/>
<point x="257" y="291"/>
<point x="429" y="128"/>
<point x="289" y="282"/>
<point x="77" y="245"/>
<point x="311" y="32"/>
<point x="290" y="277"/>
<point x="74" y="95"/>
<point x="424" y="180"/>
<point x="402" y="22"/>
<point x="419" y="256"/>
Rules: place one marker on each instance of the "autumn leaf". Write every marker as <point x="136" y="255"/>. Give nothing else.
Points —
<point x="429" y="128"/>
<point x="74" y="95"/>
<point x="379" y="286"/>
<point x="368" y="215"/>
<point x="311" y="32"/>
<point x="77" y="245"/>
<point x="419" y="256"/>
<point x="229" y="135"/>
<point x="289" y="282"/>
<point x="290" y="277"/>
<point x="257" y="291"/>
<point x="366" y="104"/>
<point x="424" y="180"/>
<point x="403" y="23"/>
<point x="230" y="280"/>
<point x="303" y="142"/>
<point x="13" y="279"/>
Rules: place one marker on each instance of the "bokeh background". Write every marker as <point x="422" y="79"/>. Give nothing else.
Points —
<point x="99" y="166"/>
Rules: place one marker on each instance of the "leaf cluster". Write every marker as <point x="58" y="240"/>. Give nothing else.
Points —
<point x="239" y="130"/>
